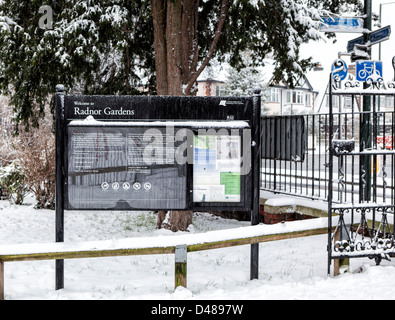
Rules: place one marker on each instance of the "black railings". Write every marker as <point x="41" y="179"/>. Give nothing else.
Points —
<point x="295" y="154"/>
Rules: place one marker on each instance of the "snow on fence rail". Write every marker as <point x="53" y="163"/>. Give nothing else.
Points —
<point x="178" y="245"/>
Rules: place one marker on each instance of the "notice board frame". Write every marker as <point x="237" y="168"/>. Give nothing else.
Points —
<point x="187" y="170"/>
<point x="199" y="110"/>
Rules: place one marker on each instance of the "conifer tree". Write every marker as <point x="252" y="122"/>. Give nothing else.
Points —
<point x="110" y="46"/>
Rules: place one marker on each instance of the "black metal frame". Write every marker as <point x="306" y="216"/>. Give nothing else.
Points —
<point x="187" y="172"/>
<point x="304" y="173"/>
<point x="362" y="209"/>
<point x="310" y="178"/>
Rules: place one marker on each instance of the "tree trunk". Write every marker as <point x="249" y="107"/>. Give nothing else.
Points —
<point x="158" y="8"/>
<point x="176" y="62"/>
<point x="176" y="44"/>
<point x="174" y="220"/>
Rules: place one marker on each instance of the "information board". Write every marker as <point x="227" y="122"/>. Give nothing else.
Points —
<point x="138" y="153"/>
<point x="123" y="168"/>
<point x="216" y="169"/>
<point x="158" y="153"/>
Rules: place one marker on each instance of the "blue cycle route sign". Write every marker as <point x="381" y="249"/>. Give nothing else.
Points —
<point x="368" y="69"/>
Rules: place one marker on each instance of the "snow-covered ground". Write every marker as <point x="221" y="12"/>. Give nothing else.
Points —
<point x="289" y="269"/>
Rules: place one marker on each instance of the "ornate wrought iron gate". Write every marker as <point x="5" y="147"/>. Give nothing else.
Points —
<point x="361" y="166"/>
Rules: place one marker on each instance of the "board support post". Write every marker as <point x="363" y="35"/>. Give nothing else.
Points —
<point x="60" y="181"/>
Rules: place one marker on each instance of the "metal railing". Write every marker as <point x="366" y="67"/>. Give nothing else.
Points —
<point x="299" y="165"/>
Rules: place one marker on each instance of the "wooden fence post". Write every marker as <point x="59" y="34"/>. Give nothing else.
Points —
<point x="181" y="266"/>
<point x="1" y="280"/>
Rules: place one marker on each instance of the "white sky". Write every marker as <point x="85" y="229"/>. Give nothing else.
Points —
<point x="327" y="53"/>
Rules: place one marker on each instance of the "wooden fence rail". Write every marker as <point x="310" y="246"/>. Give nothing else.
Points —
<point x="178" y="245"/>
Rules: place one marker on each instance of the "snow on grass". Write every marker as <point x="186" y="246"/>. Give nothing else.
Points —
<point x="288" y="269"/>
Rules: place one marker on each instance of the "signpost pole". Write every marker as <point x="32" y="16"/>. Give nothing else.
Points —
<point x="60" y="181"/>
<point x="256" y="174"/>
<point x="365" y="134"/>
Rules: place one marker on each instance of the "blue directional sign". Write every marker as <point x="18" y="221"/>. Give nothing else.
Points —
<point x="373" y="38"/>
<point x="380" y="35"/>
<point x="366" y="69"/>
<point x="342" y="24"/>
<point x="352" y="43"/>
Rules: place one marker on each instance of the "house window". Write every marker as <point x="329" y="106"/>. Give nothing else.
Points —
<point x="288" y="96"/>
<point x="293" y="97"/>
<point x="335" y="101"/>
<point x="273" y="94"/>
<point x="220" y="91"/>
<point x="297" y="97"/>
<point x="308" y="99"/>
<point x="386" y="102"/>
<point x="348" y="102"/>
